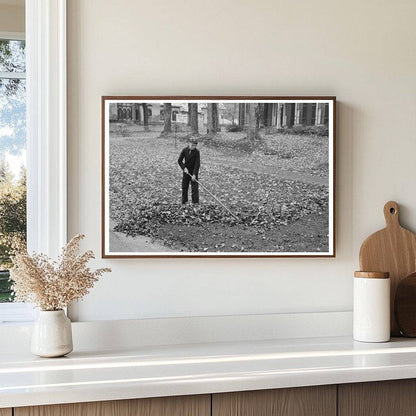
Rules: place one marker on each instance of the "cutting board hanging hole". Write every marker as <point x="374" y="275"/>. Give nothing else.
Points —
<point x="391" y="213"/>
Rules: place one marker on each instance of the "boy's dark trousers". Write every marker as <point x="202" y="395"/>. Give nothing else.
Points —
<point x="194" y="187"/>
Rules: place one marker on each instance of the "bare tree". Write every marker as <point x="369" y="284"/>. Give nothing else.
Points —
<point x="268" y="114"/>
<point x="259" y="116"/>
<point x="210" y="128"/>
<point x="215" y="118"/>
<point x="145" y="117"/>
<point x="234" y="113"/>
<point x="213" y="124"/>
<point x="193" y="117"/>
<point x="241" y="115"/>
<point x="167" y="114"/>
<point x="252" y="122"/>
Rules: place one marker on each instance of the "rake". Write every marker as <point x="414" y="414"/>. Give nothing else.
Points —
<point x="217" y="199"/>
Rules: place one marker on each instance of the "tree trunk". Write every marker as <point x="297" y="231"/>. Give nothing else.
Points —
<point x="252" y="122"/>
<point x="213" y="126"/>
<point x="210" y="126"/>
<point x="167" y="113"/>
<point x="259" y="116"/>
<point x="145" y="117"/>
<point x="241" y="115"/>
<point x="235" y="112"/>
<point x="193" y="118"/>
<point x="215" y="118"/>
<point x="268" y="115"/>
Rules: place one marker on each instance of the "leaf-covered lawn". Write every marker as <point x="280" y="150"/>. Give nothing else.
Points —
<point x="290" y="152"/>
<point x="145" y="196"/>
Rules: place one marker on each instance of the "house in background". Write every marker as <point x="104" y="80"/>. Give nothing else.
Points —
<point x="134" y="112"/>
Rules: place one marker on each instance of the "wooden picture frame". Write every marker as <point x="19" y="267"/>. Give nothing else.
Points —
<point x="266" y="180"/>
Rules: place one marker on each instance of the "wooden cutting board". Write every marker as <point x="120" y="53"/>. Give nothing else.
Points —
<point x="393" y="250"/>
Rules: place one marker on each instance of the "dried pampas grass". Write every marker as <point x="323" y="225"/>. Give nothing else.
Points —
<point x="53" y="285"/>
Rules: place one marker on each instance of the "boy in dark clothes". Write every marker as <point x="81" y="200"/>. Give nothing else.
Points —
<point x="189" y="160"/>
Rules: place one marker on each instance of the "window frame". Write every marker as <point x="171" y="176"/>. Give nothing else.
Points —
<point x="12" y="35"/>
<point x="46" y="137"/>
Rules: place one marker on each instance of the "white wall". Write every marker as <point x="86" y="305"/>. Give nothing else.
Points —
<point x="361" y="51"/>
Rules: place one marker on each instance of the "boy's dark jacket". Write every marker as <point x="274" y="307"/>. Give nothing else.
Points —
<point x="190" y="160"/>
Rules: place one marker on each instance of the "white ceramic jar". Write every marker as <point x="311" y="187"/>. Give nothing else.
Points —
<point x="371" y="305"/>
<point x="52" y="334"/>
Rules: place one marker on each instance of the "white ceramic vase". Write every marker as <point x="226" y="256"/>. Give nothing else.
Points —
<point x="52" y="334"/>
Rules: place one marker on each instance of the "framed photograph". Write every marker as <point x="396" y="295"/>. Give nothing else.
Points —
<point x="218" y="176"/>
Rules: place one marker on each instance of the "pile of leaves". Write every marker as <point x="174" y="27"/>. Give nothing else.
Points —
<point x="144" y="219"/>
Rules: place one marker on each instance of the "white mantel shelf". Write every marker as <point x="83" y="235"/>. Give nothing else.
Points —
<point x="152" y="371"/>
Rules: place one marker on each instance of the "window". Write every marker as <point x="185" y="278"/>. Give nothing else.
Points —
<point x="12" y="154"/>
<point x="45" y="27"/>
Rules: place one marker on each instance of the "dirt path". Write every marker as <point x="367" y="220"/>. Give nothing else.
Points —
<point x="308" y="234"/>
<point x="269" y="170"/>
<point x="121" y="243"/>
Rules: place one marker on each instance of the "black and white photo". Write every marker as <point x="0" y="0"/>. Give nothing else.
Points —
<point x="218" y="176"/>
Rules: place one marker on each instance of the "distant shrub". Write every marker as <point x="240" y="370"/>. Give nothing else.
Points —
<point x="234" y="128"/>
<point x="122" y="130"/>
<point x="180" y="127"/>
<point x="270" y="130"/>
<point x="306" y="130"/>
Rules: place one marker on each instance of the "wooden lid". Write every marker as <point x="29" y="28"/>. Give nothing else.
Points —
<point x="372" y="275"/>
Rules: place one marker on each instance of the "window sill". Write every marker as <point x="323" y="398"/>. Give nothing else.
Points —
<point x="16" y="313"/>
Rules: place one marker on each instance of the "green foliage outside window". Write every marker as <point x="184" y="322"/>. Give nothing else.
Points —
<point x="12" y="223"/>
<point x="12" y="145"/>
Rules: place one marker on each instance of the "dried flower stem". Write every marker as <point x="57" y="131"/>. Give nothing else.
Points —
<point x="53" y="285"/>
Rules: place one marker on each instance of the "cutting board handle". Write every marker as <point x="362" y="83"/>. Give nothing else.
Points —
<point x="391" y="214"/>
